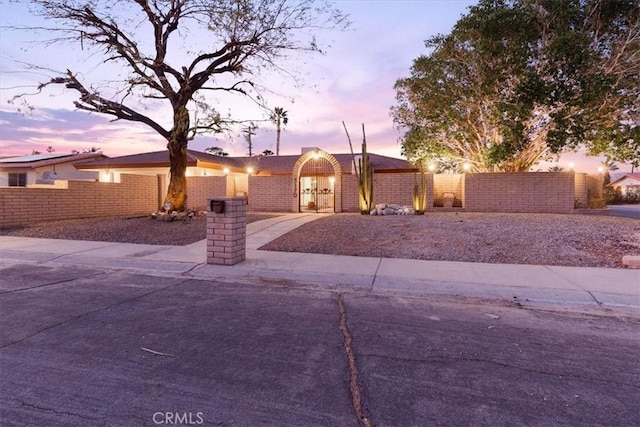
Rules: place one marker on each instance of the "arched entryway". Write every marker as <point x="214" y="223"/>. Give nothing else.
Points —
<point x="317" y="183"/>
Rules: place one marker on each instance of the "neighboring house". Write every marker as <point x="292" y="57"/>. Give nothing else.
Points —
<point x="626" y="182"/>
<point x="44" y="169"/>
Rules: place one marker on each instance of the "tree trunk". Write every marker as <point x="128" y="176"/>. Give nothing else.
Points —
<point x="278" y="139"/>
<point x="177" y="146"/>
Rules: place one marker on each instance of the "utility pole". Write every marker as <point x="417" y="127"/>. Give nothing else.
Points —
<point x="248" y="132"/>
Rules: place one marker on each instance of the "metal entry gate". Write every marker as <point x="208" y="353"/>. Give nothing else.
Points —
<point x="317" y="181"/>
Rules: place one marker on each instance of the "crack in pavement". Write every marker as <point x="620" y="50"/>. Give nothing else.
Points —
<point x="91" y="312"/>
<point x="595" y="299"/>
<point x="39" y="286"/>
<point x="354" y="388"/>
<point x="42" y="408"/>
<point x="50" y="284"/>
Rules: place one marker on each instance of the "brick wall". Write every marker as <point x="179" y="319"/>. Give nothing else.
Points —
<point x="520" y="192"/>
<point x="350" y="194"/>
<point x="202" y="188"/>
<point x="581" y="190"/>
<point x="134" y="195"/>
<point x="270" y="193"/>
<point x="448" y="183"/>
<point x="394" y="188"/>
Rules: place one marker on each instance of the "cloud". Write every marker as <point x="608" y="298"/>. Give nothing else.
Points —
<point x="66" y="130"/>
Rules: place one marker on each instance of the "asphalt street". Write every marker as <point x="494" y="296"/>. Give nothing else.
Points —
<point x="93" y="346"/>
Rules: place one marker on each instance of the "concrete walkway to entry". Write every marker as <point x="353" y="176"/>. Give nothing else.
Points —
<point x="601" y="288"/>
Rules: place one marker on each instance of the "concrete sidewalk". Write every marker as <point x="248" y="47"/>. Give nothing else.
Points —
<point x="523" y="284"/>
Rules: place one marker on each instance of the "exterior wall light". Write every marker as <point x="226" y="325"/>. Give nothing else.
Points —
<point x="225" y="171"/>
<point x="466" y="167"/>
<point x="432" y="167"/>
<point x="249" y="170"/>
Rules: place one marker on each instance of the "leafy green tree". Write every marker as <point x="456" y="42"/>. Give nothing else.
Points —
<point x="172" y="53"/>
<point x="216" y="151"/>
<point x="517" y="81"/>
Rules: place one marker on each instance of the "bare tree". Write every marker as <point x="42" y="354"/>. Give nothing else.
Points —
<point x="247" y="133"/>
<point x="239" y="38"/>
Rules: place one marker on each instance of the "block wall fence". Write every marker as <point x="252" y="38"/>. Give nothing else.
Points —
<point x="552" y="192"/>
<point x="539" y="192"/>
<point x="271" y="193"/>
<point x="542" y="192"/>
<point x="134" y="195"/>
<point x="201" y="188"/>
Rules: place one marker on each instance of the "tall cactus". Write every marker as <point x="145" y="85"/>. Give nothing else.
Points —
<point x="364" y="174"/>
<point x="420" y="193"/>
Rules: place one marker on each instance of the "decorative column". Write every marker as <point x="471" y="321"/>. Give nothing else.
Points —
<point x="226" y="230"/>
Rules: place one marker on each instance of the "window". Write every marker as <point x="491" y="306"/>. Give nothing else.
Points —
<point x="17" y="180"/>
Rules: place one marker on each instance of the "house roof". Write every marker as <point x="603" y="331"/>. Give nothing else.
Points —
<point x="284" y="164"/>
<point x="633" y="176"/>
<point x="159" y="159"/>
<point x="264" y="164"/>
<point x="42" y="160"/>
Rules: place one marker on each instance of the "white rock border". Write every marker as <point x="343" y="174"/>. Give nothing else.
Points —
<point x="391" y="209"/>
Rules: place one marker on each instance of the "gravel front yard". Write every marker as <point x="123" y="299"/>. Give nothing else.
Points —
<point x="123" y="229"/>
<point x="545" y="239"/>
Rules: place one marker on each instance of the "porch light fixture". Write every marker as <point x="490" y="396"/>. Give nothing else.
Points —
<point x="432" y="167"/>
<point x="249" y="170"/>
<point x="466" y="167"/>
<point x="225" y="171"/>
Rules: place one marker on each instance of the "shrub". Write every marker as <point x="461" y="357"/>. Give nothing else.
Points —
<point x="632" y="195"/>
<point x="613" y="196"/>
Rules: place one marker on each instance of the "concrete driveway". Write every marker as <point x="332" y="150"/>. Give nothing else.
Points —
<point x="94" y="346"/>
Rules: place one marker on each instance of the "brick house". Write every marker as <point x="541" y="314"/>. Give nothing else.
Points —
<point x="315" y="180"/>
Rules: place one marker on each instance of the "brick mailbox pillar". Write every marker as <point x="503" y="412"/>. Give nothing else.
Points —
<point x="226" y="230"/>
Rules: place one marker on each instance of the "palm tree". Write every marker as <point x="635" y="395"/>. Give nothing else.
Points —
<point x="609" y="166"/>
<point x="279" y="118"/>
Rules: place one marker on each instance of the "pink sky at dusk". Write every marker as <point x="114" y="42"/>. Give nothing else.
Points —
<point x="352" y="82"/>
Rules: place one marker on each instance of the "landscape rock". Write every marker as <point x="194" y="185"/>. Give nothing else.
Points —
<point x="391" y="209"/>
